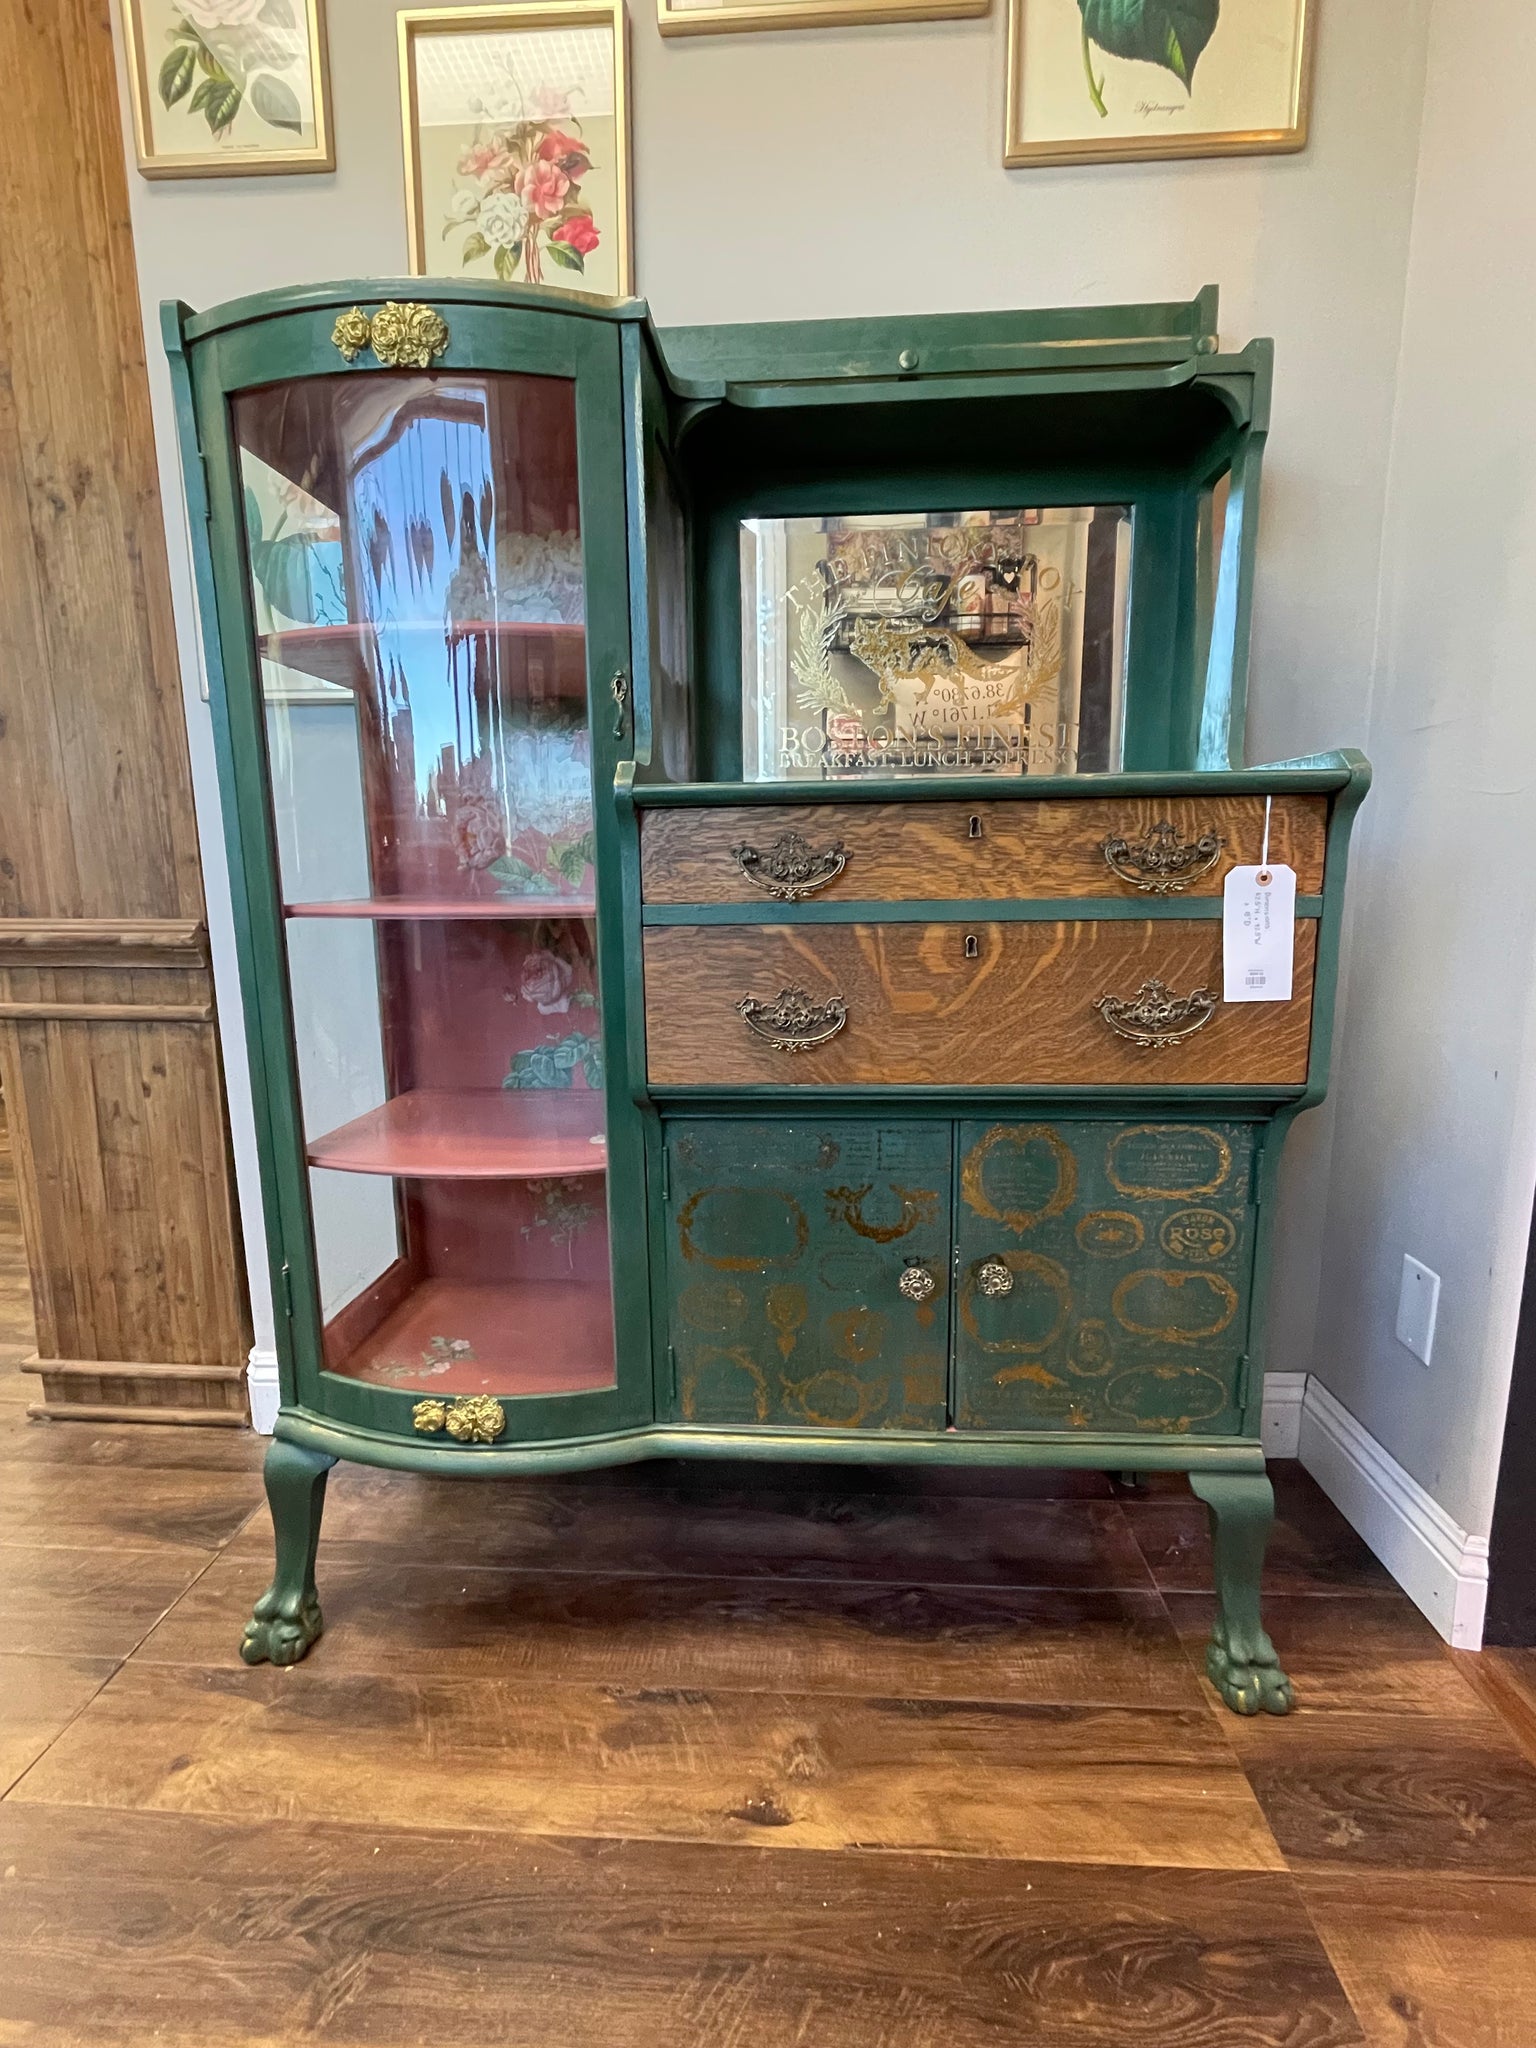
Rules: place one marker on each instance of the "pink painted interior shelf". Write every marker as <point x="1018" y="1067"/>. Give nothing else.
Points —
<point x="522" y="1337"/>
<point x="450" y="907"/>
<point x="472" y="1134"/>
<point x="346" y="655"/>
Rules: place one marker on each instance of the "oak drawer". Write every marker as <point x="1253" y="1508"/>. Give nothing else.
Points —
<point x="920" y="1012"/>
<point x="951" y="851"/>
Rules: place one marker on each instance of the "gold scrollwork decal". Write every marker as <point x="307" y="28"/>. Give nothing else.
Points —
<point x="1224" y="1304"/>
<point x="734" y="1361"/>
<point x="1019" y="1137"/>
<point x="1200" y="1236"/>
<point x="1110" y="1233"/>
<point x="1053" y="1277"/>
<point x="787" y="1310"/>
<point x="1200" y="1396"/>
<point x="757" y="1262"/>
<point x="918" y="1205"/>
<point x="863" y="1398"/>
<point x="857" y="1334"/>
<point x="1216" y="1168"/>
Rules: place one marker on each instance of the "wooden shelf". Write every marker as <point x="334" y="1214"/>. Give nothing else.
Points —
<point x="451" y="907"/>
<point x="472" y="1134"/>
<point x="343" y="655"/>
<point x="524" y="1337"/>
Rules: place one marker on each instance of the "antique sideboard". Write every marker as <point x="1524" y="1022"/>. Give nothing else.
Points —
<point x="732" y="939"/>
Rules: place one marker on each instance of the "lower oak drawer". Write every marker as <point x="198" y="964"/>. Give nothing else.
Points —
<point x="961" y="1005"/>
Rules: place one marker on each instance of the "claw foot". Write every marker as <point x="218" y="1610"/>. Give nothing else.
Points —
<point x="1253" y="1685"/>
<point x="280" y="1631"/>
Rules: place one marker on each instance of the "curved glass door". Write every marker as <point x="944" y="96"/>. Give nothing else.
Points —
<point x="414" y="556"/>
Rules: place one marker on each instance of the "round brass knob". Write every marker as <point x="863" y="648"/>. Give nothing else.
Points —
<point x="993" y="1277"/>
<point x="917" y="1283"/>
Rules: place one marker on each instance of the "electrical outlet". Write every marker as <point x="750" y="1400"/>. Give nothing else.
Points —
<point x="1418" y="1303"/>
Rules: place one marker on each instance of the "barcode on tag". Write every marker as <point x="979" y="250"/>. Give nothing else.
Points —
<point x="1258" y="934"/>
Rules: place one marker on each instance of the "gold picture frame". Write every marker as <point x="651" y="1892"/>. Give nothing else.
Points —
<point x="519" y="150"/>
<point x="1072" y="101"/>
<point x="676" y="18"/>
<point x="243" y="85"/>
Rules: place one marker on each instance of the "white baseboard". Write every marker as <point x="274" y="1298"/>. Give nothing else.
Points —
<point x="262" y="1390"/>
<point x="1441" y="1568"/>
<point x="1281" y="1427"/>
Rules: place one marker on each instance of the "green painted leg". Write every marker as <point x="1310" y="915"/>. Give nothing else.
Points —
<point x="1241" y="1659"/>
<point x="287" y="1617"/>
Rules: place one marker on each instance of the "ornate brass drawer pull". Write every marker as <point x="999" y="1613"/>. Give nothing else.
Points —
<point x="1162" y="864"/>
<point x="792" y="1022"/>
<point x="916" y="1282"/>
<point x="1155" y="1016"/>
<point x="994" y="1278"/>
<point x="789" y="869"/>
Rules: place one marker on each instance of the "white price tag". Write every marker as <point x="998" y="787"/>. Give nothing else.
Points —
<point x="1258" y="934"/>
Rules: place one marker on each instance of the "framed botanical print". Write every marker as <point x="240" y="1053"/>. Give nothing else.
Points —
<point x="222" y="88"/>
<point x="1095" y="81"/>
<point x="516" y="125"/>
<point x="726" y="17"/>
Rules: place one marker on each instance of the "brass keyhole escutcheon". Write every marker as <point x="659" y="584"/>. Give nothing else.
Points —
<point x="975" y="828"/>
<point x="994" y="1278"/>
<point x="917" y="1283"/>
<point x="972" y="946"/>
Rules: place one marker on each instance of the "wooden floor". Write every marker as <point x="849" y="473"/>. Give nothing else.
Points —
<point x="729" y="1759"/>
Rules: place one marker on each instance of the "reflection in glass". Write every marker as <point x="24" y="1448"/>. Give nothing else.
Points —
<point x="416" y="579"/>
<point x="934" y="643"/>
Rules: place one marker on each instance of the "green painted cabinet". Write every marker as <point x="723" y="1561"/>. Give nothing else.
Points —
<point x="808" y="1273"/>
<point x="731" y="932"/>
<point x="1078" y="1275"/>
<point x="1104" y="1276"/>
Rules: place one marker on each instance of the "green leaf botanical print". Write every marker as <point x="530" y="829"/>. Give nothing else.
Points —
<point x="277" y="103"/>
<point x="218" y="100"/>
<point x="553" y="1064"/>
<point x="240" y="47"/>
<point x="177" y="74"/>
<point x="1170" y="33"/>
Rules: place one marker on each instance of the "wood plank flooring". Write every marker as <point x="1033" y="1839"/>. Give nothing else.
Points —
<point x="722" y="1757"/>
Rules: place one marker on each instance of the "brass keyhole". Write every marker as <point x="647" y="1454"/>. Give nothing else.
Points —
<point x="972" y="946"/>
<point x="974" y="829"/>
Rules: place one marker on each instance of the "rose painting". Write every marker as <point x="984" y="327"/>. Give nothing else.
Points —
<point x="228" y="86"/>
<point x="516" y="150"/>
<point x="1095" y="80"/>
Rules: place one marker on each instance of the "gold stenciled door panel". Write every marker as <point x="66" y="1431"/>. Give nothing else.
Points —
<point x="1103" y="1276"/>
<point x="808" y="1273"/>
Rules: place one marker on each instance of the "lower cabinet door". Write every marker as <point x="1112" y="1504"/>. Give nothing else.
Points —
<point x="1103" y="1276"/>
<point x="808" y="1272"/>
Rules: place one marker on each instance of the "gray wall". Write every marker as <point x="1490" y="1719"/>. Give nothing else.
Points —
<point x="1435" y="1128"/>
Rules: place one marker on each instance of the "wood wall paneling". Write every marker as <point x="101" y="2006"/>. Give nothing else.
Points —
<point x="108" y="1039"/>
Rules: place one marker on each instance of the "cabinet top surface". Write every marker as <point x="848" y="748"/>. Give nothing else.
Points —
<point x="703" y="360"/>
<point x="1316" y="774"/>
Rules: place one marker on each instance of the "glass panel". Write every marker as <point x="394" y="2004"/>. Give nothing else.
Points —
<point x="934" y="643"/>
<point x="416" y="576"/>
<point x="667" y="576"/>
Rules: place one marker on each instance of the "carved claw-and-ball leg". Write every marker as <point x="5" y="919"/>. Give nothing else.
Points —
<point x="1241" y="1660"/>
<point x="287" y="1617"/>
